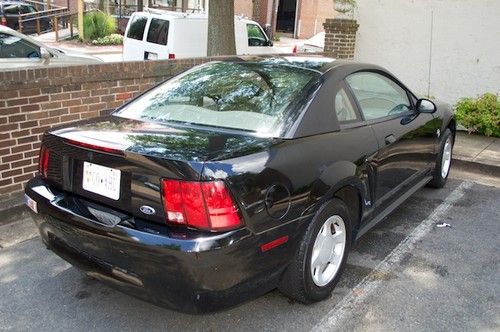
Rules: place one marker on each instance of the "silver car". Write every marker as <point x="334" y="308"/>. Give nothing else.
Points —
<point x="20" y="51"/>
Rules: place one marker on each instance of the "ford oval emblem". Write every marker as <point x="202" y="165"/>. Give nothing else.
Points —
<point x="147" y="210"/>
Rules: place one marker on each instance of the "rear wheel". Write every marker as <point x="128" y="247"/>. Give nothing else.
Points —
<point x="443" y="162"/>
<point x="321" y="257"/>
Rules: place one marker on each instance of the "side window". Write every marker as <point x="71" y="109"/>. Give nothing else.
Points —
<point x="136" y="29"/>
<point x="343" y="107"/>
<point x="15" y="47"/>
<point x="377" y="95"/>
<point x="255" y="35"/>
<point x="158" y="31"/>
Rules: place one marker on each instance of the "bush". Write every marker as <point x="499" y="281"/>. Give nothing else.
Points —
<point x="480" y="115"/>
<point x="113" y="39"/>
<point x="97" y="24"/>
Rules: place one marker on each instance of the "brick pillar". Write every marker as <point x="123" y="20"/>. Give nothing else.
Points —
<point x="340" y="37"/>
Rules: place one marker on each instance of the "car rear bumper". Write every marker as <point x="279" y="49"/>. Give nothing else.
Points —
<point x="184" y="271"/>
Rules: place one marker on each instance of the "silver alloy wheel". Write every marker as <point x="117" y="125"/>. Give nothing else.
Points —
<point x="446" y="159"/>
<point x="328" y="250"/>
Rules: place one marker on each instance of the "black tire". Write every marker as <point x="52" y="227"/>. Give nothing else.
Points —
<point x="297" y="282"/>
<point x="438" y="181"/>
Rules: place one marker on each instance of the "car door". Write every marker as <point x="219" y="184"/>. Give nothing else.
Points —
<point x="16" y="52"/>
<point x="256" y="41"/>
<point x="406" y="138"/>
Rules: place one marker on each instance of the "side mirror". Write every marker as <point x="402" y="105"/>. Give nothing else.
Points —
<point x="45" y="54"/>
<point x="426" y="106"/>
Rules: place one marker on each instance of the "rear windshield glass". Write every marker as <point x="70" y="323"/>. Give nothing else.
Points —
<point x="158" y="31"/>
<point x="244" y="96"/>
<point x="136" y="29"/>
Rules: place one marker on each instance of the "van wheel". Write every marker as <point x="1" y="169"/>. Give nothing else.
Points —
<point x="443" y="162"/>
<point x="321" y="258"/>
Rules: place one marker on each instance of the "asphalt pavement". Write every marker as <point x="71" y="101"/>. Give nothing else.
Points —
<point x="406" y="274"/>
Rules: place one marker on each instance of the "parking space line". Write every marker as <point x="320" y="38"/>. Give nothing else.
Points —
<point x="370" y="283"/>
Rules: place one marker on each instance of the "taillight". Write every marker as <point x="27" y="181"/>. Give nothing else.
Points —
<point x="202" y="205"/>
<point x="43" y="162"/>
<point x="294" y="50"/>
<point x="171" y="56"/>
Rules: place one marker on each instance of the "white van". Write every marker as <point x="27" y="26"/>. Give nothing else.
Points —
<point x="161" y="34"/>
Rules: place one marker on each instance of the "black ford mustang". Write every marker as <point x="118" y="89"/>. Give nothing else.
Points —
<point x="237" y="177"/>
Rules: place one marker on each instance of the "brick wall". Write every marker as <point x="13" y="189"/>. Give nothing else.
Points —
<point x="34" y="100"/>
<point x="340" y="37"/>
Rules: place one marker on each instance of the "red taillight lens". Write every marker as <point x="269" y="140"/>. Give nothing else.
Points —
<point x="171" y="56"/>
<point x="202" y="205"/>
<point x="43" y="162"/>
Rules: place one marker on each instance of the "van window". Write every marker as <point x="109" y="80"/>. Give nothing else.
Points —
<point x="136" y="29"/>
<point x="158" y="31"/>
<point x="255" y="36"/>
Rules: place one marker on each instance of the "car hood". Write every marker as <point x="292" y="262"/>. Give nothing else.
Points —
<point x="72" y="56"/>
<point x="162" y="140"/>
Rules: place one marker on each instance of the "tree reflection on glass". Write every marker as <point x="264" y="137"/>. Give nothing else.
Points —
<point x="248" y="96"/>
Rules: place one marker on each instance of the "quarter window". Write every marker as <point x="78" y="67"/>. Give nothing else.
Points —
<point x="15" y="47"/>
<point x="343" y="107"/>
<point x="377" y="95"/>
<point x="136" y="29"/>
<point x="158" y="31"/>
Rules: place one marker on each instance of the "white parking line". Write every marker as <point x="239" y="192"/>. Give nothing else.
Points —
<point x="366" y="286"/>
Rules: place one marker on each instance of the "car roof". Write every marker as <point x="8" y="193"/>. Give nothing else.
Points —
<point x="320" y="63"/>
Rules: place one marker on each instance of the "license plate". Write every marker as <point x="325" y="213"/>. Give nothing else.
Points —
<point x="30" y="203"/>
<point x="101" y="180"/>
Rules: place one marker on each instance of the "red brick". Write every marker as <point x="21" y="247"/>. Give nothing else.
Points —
<point x="23" y="178"/>
<point x="7" y="144"/>
<point x="5" y="182"/>
<point x="30" y="108"/>
<point x="21" y="133"/>
<point x="32" y="168"/>
<point x="18" y="101"/>
<point x="30" y="154"/>
<point x="10" y="110"/>
<point x="29" y="92"/>
<point x="37" y="115"/>
<point x="124" y="96"/>
<point x="21" y="148"/>
<point x="25" y="140"/>
<point x="8" y="127"/>
<point x="38" y="99"/>
<point x="21" y="163"/>
<point x="28" y="124"/>
<point x="11" y="189"/>
<point x="17" y="118"/>
<point x="11" y="173"/>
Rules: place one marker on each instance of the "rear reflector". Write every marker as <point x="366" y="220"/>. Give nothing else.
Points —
<point x="95" y="147"/>
<point x="202" y="205"/>
<point x="43" y="162"/>
<point x="171" y="56"/>
<point x="273" y="244"/>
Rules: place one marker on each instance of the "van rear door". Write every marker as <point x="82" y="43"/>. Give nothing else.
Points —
<point x="133" y="43"/>
<point x="156" y="45"/>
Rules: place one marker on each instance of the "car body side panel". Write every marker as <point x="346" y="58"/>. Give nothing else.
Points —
<point x="311" y="169"/>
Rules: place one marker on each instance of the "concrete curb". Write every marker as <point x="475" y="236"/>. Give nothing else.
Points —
<point x="476" y="167"/>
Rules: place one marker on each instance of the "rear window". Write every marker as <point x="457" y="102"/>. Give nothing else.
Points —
<point x="136" y="29"/>
<point x="253" y="97"/>
<point x="158" y="31"/>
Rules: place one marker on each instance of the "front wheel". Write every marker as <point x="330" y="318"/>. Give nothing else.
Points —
<point x="321" y="257"/>
<point x="443" y="162"/>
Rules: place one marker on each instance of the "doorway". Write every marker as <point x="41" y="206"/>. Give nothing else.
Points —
<point x="285" y="19"/>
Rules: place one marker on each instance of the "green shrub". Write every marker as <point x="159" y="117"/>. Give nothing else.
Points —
<point x="97" y="24"/>
<point x="113" y="39"/>
<point x="480" y="115"/>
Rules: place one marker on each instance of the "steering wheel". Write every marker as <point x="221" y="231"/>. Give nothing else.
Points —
<point x="256" y="41"/>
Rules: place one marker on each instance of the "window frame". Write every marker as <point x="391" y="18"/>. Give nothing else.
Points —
<point x="411" y="97"/>
<point x="359" y="117"/>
